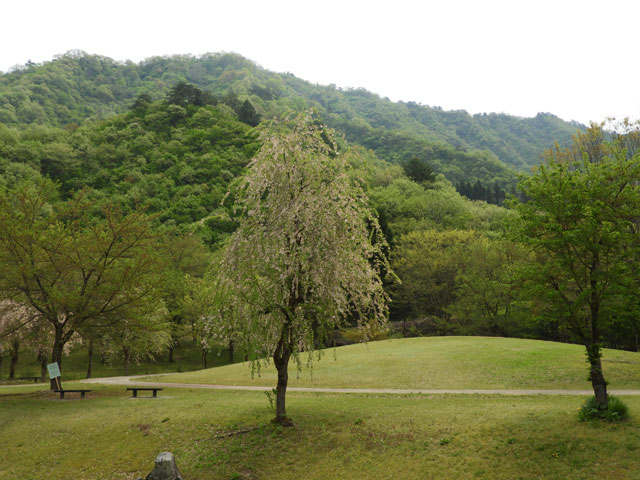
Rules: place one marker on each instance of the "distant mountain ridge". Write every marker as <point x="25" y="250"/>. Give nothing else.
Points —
<point x="76" y="87"/>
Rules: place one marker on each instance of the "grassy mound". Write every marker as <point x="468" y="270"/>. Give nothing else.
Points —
<point x="439" y="362"/>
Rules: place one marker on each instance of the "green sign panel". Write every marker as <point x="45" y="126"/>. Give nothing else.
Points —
<point x="54" y="370"/>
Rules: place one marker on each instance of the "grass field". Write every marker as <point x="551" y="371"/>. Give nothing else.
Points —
<point x="109" y="436"/>
<point x="441" y="362"/>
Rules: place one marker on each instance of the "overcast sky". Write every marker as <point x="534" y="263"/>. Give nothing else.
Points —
<point x="575" y="59"/>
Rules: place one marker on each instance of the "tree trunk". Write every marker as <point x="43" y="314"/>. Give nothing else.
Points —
<point x="281" y="361"/>
<point x="231" y="350"/>
<point x="171" y="358"/>
<point x="127" y="355"/>
<point x="205" y="351"/>
<point x="42" y="358"/>
<point x="555" y="331"/>
<point x="56" y="357"/>
<point x="595" y="375"/>
<point x="594" y="348"/>
<point x="15" y="350"/>
<point x="90" y="363"/>
<point x="281" y="390"/>
<point x="12" y="366"/>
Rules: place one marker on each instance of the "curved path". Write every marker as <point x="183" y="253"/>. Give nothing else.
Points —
<point x="135" y="381"/>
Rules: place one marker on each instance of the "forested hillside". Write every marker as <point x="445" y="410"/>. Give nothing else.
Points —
<point x="486" y="148"/>
<point x="175" y="161"/>
<point x="178" y="158"/>
<point x="95" y="152"/>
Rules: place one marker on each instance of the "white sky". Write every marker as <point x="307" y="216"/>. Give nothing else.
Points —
<point x="577" y="59"/>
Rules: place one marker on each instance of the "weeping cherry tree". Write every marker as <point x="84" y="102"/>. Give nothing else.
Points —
<point x="307" y="255"/>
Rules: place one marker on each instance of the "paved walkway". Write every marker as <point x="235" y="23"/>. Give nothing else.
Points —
<point x="135" y="381"/>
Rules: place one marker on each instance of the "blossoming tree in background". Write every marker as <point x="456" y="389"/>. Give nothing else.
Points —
<point x="307" y="255"/>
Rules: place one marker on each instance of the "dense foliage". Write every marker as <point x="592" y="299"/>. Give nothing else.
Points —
<point x="75" y="270"/>
<point x="170" y="137"/>
<point x="581" y="221"/>
<point x="176" y="161"/>
<point x="77" y="86"/>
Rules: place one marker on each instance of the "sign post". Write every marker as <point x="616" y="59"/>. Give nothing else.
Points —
<point x="54" y="372"/>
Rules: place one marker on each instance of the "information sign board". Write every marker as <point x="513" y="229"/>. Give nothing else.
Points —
<point x="54" y="370"/>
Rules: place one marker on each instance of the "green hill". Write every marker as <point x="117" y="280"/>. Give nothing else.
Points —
<point x="76" y="86"/>
<point x="176" y="161"/>
<point x="440" y="362"/>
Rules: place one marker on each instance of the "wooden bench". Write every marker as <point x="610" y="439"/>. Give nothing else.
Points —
<point x="35" y="379"/>
<point x="62" y="392"/>
<point x="135" y="390"/>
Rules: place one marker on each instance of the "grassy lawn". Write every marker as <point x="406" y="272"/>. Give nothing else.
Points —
<point x="111" y="436"/>
<point x="441" y="362"/>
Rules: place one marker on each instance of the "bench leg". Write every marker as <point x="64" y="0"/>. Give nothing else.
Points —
<point x="61" y="395"/>
<point x="81" y="394"/>
<point x="155" y="393"/>
<point x="135" y="393"/>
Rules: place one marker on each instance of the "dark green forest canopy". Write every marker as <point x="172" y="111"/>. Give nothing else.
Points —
<point x="175" y="161"/>
<point x="77" y="86"/>
<point x="179" y="162"/>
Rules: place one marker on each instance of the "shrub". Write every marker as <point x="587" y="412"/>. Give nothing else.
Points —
<point x="616" y="410"/>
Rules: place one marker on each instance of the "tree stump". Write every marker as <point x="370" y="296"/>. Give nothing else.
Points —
<point x="165" y="468"/>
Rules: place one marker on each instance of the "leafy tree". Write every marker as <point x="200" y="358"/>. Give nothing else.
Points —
<point x="409" y="207"/>
<point x="184" y="94"/>
<point x="247" y="114"/>
<point x="134" y="339"/>
<point x="581" y="221"/>
<point x="75" y="270"/>
<point x="302" y="261"/>
<point x="427" y="263"/>
<point x="184" y="256"/>
<point x="141" y="102"/>
<point x="419" y="170"/>
<point x="200" y="306"/>
<point x="487" y="299"/>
